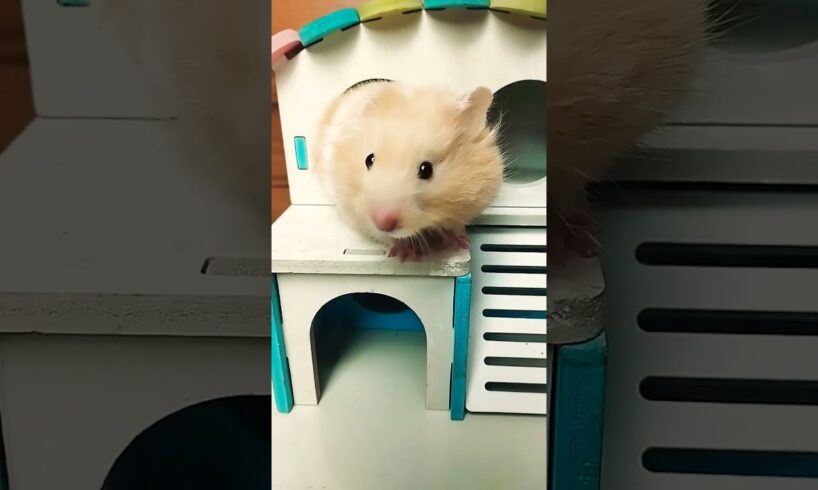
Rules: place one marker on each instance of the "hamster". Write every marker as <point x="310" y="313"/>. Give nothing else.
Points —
<point x="616" y="70"/>
<point x="410" y="166"/>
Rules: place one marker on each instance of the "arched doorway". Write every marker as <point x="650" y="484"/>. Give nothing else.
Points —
<point x="217" y="444"/>
<point x="367" y="328"/>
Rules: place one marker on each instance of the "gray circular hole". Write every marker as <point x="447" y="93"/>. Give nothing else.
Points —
<point x="521" y="109"/>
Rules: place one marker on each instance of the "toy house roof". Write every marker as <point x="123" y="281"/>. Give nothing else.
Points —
<point x="288" y="43"/>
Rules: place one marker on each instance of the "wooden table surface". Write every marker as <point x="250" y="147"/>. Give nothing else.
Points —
<point x="16" y="107"/>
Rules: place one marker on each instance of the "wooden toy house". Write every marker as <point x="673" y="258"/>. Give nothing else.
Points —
<point x="486" y="303"/>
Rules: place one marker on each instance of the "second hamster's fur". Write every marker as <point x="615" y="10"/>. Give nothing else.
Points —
<point x="616" y="68"/>
<point x="403" y="126"/>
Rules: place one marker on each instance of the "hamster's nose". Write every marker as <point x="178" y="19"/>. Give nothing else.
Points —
<point x="386" y="220"/>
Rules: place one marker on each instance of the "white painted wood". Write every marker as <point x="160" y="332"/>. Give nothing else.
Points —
<point x="515" y="325"/>
<point x="516" y="349"/>
<point x="755" y="88"/>
<point x="375" y="406"/>
<point x="496" y="301"/>
<point x="82" y="198"/>
<point x="511" y="236"/>
<point x="754" y="218"/>
<point x="742" y="138"/>
<point x="431" y="298"/>
<point x="515" y="259"/>
<point x="478" y="398"/>
<point x="458" y="48"/>
<point x="747" y="155"/>
<point x="102" y="391"/>
<point x="314" y="240"/>
<point x="79" y="66"/>
<point x="510" y="216"/>
<point x="519" y="280"/>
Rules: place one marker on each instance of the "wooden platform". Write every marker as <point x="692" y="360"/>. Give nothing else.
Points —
<point x="312" y="240"/>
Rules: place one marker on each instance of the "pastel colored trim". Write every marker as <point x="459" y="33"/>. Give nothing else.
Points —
<point x="282" y="43"/>
<point x="375" y="9"/>
<point x="443" y="4"/>
<point x="301" y="157"/>
<point x="534" y="8"/>
<point x="336" y="21"/>
<point x="282" y="387"/>
<point x="462" y="312"/>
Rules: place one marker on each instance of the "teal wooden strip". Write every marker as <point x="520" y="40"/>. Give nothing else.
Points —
<point x="323" y="26"/>
<point x="578" y="390"/>
<point x="445" y="4"/>
<point x="301" y="157"/>
<point x="462" y="309"/>
<point x="282" y="387"/>
<point x="4" y="475"/>
<point x="72" y="3"/>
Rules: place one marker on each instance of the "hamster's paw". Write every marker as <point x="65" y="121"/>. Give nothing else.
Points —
<point x="434" y="242"/>
<point x="577" y="235"/>
<point x="452" y="240"/>
<point x="406" y="251"/>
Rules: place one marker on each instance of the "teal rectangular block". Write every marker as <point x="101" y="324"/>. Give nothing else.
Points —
<point x="301" y="157"/>
<point x="72" y="3"/>
<point x="282" y="385"/>
<point x="444" y="4"/>
<point x="462" y="313"/>
<point x="577" y="415"/>
<point x="323" y="26"/>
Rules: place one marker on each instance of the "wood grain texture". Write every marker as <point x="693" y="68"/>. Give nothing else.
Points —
<point x="280" y="194"/>
<point x="16" y="105"/>
<point x="291" y="14"/>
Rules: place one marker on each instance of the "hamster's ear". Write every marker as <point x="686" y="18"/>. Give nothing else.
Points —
<point x="473" y="111"/>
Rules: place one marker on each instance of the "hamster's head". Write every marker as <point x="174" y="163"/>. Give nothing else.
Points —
<point x="414" y="159"/>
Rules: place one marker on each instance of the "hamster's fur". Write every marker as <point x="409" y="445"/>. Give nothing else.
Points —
<point x="403" y="126"/>
<point x="616" y="68"/>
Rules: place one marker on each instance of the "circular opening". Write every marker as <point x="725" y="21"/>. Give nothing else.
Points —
<point x="762" y="26"/>
<point x="520" y="107"/>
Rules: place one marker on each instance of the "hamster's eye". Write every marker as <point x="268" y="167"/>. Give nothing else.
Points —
<point x="425" y="170"/>
<point x="370" y="159"/>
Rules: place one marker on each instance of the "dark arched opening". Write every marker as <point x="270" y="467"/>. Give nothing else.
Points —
<point x="213" y="445"/>
<point x="366" y="328"/>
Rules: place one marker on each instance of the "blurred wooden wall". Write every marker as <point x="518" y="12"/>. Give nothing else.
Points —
<point x="16" y="106"/>
<point x="292" y="14"/>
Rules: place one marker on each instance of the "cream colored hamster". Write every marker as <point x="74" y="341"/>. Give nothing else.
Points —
<point x="616" y="68"/>
<point x="410" y="166"/>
